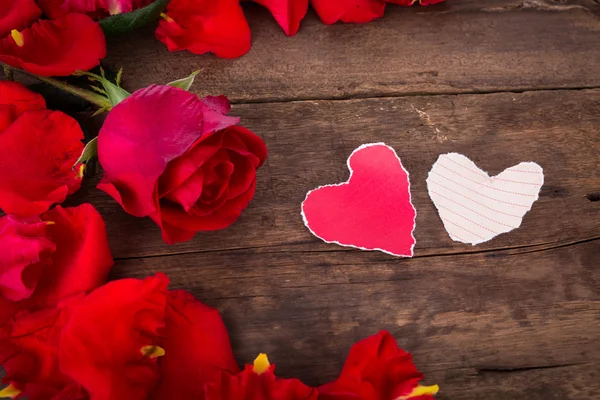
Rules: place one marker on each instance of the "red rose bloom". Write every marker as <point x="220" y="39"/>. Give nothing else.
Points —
<point x="17" y="14"/>
<point x="94" y="8"/>
<point x="203" y="26"/>
<point x="287" y="13"/>
<point x="352" y="11"/>
<point x="29" y="354"/>
<point x="377" y="369"/>
<point x="178" y="159"/>
<point x="15" y="99"/>
<point x="196" y="347"/>
<point x="110" y="343"/>
<point x="258" y="382"/>
<point x="55" y="47"/>
<point x="42" y="262"/>
<point x="39" y="150"/>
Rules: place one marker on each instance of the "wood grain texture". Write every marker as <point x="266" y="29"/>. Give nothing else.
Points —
<point x="462" y="46"/>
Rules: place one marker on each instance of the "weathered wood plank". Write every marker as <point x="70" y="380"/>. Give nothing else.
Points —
<point x="463" y="46"/>
<point x="310" y="141"/>
<point x="468" y="319"/>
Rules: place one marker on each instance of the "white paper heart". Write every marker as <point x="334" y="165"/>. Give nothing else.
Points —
<point x="475" y="207"/>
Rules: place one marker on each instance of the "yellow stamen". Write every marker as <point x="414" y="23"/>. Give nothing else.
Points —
<point x="421" y="391"/>
<point x="50" y="223"/>
<point x="81" y="171"/>
<point x="17" y="37"/>
<point x="166" y="17"/>
<point x="261" y="364"/>
<point x="152" y="351"/>
<point x="10" y="391"/>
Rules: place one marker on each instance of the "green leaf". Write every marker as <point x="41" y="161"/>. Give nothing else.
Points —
<point x="127" y="22"/>
<point x="89" y="151"/>
<point x="185" y="83"/>
<point x="113" y="92"/>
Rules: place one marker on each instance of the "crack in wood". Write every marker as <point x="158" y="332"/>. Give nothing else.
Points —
<point x="534" y="248"/>
<point x="509" y="369"/>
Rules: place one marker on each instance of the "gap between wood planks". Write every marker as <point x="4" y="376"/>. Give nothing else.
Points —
<point x="392" y="95"/>
<point x="528" y="249"/>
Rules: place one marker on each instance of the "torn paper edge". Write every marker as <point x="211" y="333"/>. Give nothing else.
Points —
<point x="412" y="232"/>
<point x="537" y="195"/>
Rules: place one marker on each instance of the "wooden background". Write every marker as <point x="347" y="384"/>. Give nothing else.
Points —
<point x="501" y="81"/>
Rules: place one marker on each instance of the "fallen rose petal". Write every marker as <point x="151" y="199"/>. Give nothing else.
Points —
<point x="82" y="259"/>
<point x="15" y="99"/>
<point x="29" y="354"/>
<point x="55" y="47"/>
<point x="38" y="153"/>
<point x="351" y="11"/>
<point x="377" y="368"/>
<point x="202" y="26"/>
<point x="109" y="344"/>
<point x="257" y="382"/>
<point x="288" y="13"/>
<point x="17" y="14"/>
<point x="197" y="348"/>
<point x="26" y="252"/>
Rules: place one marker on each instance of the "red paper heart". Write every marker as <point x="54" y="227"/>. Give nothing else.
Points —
<point x="372" y="210"/>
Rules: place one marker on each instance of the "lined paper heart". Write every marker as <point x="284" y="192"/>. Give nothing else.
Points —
<point x="475" y="207"/>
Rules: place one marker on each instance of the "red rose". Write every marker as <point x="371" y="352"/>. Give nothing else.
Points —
<point x="203" y="26"/>
<point x="178" y="159"/>
<point x="94" y="8"/>
<point x="17" y="14"/>
<point x="15" y="99"/>
<point x="44" y="261"/>
<point x="55" y="47"/>
<point x="287" y="13"/>
<point x="352" y="11"/>
<point x="196" y="347"/>
<point x="258" y="382"/>
<point x="38" y="152"/>
<point x="29" y="355"/>
<point x="377" y="369"/>
<point x="110" y="342"/>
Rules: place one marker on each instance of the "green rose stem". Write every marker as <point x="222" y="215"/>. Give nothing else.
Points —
<point x="98" y="100"/>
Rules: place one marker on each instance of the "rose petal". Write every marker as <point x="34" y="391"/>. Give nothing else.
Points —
<point x="82" y="259"/>
<point x="287" y="13"/>
<point x="197" y="348"/>
<point x="251" y="140"/>
<point x="182" y="168"/>
<point x="250" y="385"/>
<point x="351" y="11"/>
<point x="56" y="47"/>
<point x="29" y="353"/>
<point x="177" y="225"/>
<point x="17" y="14"/>
<point x="101" y="345"/>
<point x="203" y="26"/>
<point x="38" y="152"/>
<point x="15" y="99"/>
<point x="26" y="251"/>
<point x="375" y="368"/>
